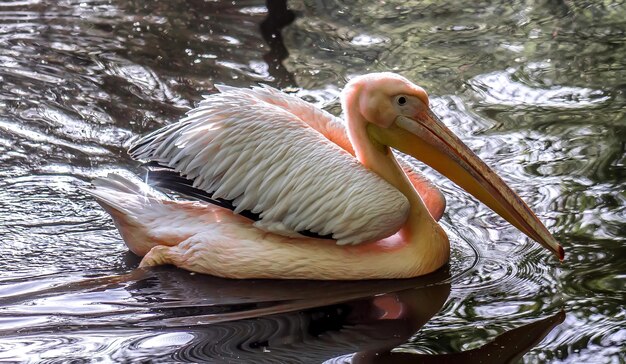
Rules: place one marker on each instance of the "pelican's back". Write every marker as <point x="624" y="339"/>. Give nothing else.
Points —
<point x="267" y="160"/>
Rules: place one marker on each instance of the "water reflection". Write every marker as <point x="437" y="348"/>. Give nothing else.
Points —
<point x="508" y="347"/>
<point x="170" y="314"/>
<point x="278" y="16"/>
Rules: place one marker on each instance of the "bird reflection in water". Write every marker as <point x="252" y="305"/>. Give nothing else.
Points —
<point x="276" y="321"/>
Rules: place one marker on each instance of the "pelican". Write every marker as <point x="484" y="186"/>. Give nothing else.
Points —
<point x="296" y="193"/>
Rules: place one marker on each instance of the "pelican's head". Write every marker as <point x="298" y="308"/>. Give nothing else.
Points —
<point x="397" y="114"/>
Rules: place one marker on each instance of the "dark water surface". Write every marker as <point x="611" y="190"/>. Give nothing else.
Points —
<point x="536" y="88"/>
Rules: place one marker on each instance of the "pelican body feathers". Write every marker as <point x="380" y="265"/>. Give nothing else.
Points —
<point x="280" y="174"/>
<point x="233" y="147"/>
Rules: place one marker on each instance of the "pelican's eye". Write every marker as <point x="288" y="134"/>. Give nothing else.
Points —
<point x="401" y="100"/>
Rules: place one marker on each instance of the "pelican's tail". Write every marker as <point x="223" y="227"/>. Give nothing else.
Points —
<point x="136" y="209"/>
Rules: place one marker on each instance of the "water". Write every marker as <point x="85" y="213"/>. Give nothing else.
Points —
<point x="535" y="87"/>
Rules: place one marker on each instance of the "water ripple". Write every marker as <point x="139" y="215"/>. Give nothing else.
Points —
<point x="499" y="88"/>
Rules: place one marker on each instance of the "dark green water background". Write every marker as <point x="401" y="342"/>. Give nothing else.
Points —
<point x="536" y="88"/>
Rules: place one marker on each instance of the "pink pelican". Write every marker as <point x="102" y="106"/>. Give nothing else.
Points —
<point x="328" y="197"/>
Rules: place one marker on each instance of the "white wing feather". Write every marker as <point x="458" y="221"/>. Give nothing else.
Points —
<point x="332" y="127"/>
<point x="268" y="160"/>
